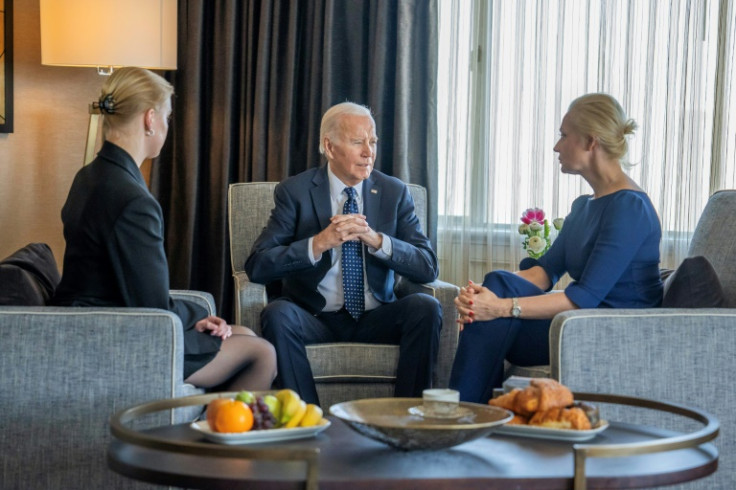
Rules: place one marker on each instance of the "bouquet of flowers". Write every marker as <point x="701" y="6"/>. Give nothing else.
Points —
<point x="535" y="230"/>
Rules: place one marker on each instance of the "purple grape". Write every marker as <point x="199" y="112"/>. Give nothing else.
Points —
<point x="262" y="416"/>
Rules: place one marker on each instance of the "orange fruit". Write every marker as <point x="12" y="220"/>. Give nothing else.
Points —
<point x="232" y="416"/>
<point x="212" y="409"/>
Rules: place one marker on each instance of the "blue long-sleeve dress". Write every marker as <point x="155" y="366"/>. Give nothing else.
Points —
<point x="610" y="248"/>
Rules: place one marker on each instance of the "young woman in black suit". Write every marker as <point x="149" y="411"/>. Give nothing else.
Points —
<point x="114" y="234"/>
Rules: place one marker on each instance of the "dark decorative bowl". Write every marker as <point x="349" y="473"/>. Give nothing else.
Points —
<point x="399" y="422"/>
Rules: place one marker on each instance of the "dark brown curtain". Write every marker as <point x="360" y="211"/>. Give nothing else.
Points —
<point x="253" y="80"/>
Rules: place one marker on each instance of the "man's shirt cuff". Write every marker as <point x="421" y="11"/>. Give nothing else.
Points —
<point x="310" y="252"/>
<point x="386" y="249"/>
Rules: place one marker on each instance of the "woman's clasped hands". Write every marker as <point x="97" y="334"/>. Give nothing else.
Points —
<point x="476" y="303"/>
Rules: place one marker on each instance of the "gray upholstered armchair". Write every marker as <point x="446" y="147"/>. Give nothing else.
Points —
<point x="342" y="371"/>
<point x="681" y="355"/>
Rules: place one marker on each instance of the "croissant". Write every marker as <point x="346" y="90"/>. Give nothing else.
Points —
<point x="518" y="420"/>
<point x="546" y="403"/>
<point x="507" y="400"/>
<point x="542" y="394"/>
<point x="561" y="418"/>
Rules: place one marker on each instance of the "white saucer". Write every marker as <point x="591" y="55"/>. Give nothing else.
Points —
<point x="458" y="413"/>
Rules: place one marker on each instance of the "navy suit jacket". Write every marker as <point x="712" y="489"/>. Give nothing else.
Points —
<point x="302" y="209"/>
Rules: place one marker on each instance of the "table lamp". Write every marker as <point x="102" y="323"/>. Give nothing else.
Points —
<point x="108" y="34"/>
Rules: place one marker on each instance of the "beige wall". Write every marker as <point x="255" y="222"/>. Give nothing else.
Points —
<point x="39" y="159"/>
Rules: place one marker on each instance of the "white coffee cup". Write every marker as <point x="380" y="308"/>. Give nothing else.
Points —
<point x="438" y="402"/>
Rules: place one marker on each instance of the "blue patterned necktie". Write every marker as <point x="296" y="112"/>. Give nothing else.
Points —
<point x="352" y="265"/>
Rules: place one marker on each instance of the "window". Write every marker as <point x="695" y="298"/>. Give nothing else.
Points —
<point x="507" y="73"/>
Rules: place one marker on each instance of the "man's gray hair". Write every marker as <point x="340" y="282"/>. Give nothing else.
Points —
<point x="331" y="120"/>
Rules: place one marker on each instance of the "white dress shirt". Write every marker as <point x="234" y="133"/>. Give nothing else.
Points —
<point x="331" y="285"/>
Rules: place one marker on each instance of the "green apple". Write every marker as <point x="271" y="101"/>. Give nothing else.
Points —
<point x="246" y="397"/>
<point x="274" y="406"/>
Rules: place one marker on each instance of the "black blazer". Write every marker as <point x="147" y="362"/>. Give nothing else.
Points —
<point x="114" y="232"/>
<point x="303" y="209"/>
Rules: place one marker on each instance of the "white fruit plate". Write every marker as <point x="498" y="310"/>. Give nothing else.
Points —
<point x="257" y="436"/>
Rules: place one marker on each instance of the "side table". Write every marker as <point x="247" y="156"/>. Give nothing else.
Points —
<point x="339" y="457"/>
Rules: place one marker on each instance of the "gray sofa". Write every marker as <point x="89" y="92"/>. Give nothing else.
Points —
<point x="65" y="371"/>
<point x="682" y="355"/>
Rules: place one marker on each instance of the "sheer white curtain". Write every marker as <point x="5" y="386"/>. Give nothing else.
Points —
<point x="508" y="71"/>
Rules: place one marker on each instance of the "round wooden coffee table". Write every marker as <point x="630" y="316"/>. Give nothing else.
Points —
<point x="622" y="456"/>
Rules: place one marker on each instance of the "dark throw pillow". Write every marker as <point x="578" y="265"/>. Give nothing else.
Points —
<point x="664" y="274"/>
<point x="694" y="284"/>
<point x="29" y="276"/>
<point x="19" y="287"/>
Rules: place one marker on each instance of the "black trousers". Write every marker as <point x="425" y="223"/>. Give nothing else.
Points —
<point x="412" y="322"/>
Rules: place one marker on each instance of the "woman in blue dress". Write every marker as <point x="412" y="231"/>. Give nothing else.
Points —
<point x="609" y="245"/>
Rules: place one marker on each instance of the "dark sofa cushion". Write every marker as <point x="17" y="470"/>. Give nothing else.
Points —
<point x="694" y="284"/>
<point x="19" y="287"/>
<point x="29" y="276"/>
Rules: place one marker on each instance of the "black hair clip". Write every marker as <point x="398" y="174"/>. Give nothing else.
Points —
<point x="105" y="104"/>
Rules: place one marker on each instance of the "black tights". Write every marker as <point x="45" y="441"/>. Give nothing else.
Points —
<point x="245" y="362"/>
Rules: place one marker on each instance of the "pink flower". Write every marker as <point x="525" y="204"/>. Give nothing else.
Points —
<point x="532" y="215"/>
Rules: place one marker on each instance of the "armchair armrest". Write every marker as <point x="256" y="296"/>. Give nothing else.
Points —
<point x="203" y="299"/>
<point x="250" y="299"/>
<point x="663" y="353"/>
<point x="445" y="294"/>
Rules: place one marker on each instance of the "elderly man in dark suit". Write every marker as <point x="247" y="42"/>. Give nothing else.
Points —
<point x="335" y="239"/>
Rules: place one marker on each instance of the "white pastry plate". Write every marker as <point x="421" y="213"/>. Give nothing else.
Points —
<point x="549" y="433"/>
<point x="257" y="436"/>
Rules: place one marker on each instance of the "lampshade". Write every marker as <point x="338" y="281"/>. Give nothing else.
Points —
<point x="109" y="33"/>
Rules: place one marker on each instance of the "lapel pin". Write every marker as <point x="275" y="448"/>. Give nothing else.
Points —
<point x="374" y="191"/>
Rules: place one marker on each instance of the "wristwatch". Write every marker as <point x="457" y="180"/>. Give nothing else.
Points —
<point x="515" y="308"/>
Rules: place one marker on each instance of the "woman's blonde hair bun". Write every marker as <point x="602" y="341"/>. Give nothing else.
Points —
<point x="601" y="116"/>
